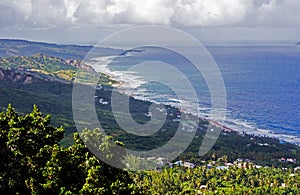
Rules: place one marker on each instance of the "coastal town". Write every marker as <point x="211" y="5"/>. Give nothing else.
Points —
<point x="220" y="163"/>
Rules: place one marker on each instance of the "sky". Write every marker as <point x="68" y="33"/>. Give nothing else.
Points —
<point x="211" y="21"/>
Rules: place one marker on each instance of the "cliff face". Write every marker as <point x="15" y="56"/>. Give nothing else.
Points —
<point x="10" y="76"/>
<point x="42" y="62"/>
<point x="79" y="64"/>
<point x="20" y="76"/>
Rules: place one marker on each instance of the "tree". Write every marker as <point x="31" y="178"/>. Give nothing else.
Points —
<point x="23" y="140"/>
<point x="34" y="163"/>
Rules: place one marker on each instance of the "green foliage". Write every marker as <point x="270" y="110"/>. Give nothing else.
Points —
<point x="23" y="140"/>
<point x="55" y="98"/>
<point x="34" y="163"/>
<point x="27" y="48"/>
<point x="213" y="181"/>
<point x="40" y="62"/>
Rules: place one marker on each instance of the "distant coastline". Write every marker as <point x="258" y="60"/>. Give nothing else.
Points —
<point x="224" y="128"/>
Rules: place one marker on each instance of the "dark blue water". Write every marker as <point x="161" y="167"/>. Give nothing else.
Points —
<point x="262" y="83"/>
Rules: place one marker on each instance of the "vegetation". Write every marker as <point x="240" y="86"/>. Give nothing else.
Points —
<point x="33" y="162"/>
<point x="28" y="48"/>
<point x="38" y="158"/>
<point x="43" y="64"/>
<point x="55" y="98"/>
<point x="38" y="61"/>
<point x="235" y="180"/>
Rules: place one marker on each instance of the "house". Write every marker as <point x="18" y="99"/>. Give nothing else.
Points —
<point x="228" y="164"/>
<point x="151" y="158"/>
<point x="189" y="165"/>
<point x="291" y="160"/>
<point x="179" y="163"/>
<point x="281" y="159"/>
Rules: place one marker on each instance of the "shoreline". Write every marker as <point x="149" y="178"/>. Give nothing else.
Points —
<point x="293" y="139"/>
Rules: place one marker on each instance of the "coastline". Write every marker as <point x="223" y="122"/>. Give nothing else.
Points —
<point x="127" y="88"/>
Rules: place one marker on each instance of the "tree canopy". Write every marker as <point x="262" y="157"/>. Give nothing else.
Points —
<point x="33" y="162"/>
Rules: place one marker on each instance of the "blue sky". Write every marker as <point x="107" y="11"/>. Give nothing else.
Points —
<point x="210" y="21"/>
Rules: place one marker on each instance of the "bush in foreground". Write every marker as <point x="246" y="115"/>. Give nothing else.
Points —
<point x="33" y="162"/>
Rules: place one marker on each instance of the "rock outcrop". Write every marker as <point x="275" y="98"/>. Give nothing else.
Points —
<point x="14" y="76"/>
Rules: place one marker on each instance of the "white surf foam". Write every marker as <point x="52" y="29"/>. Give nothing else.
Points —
<point x="130" y="83"/>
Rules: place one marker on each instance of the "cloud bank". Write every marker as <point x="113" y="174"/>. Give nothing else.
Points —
<point x="45" y="14"/>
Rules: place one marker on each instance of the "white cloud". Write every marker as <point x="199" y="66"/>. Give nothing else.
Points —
<point x="141" y="12"/>
<point x="77" y="13"/>
<point x="92" y="12"/>
<point x="211" y="13"/>
<point x="283" y="13"/>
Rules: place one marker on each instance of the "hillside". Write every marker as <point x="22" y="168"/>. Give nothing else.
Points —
<point x="10" y="47"/>
<point x="33" y="162"/>
<point x="44" y="64"/>
<point x="55" y="98"/>
<point x="46" y="81"/>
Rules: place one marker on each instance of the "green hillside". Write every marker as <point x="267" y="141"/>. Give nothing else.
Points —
<point x="9" y="47"/>
<point x="44" y="155"/>
<point x="46" y="81"/>
<point x="43" y="64"/>
<point x="33" y="162"/>
<point x="37" y="61"/>
<point x="55" y="98"/>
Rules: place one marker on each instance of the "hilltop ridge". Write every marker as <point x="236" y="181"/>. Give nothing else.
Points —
<point x="44" y="64"/>
<point x="15" y="47"/>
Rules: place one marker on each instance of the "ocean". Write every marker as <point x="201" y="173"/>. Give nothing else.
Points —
<point x="262" y="85"/>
